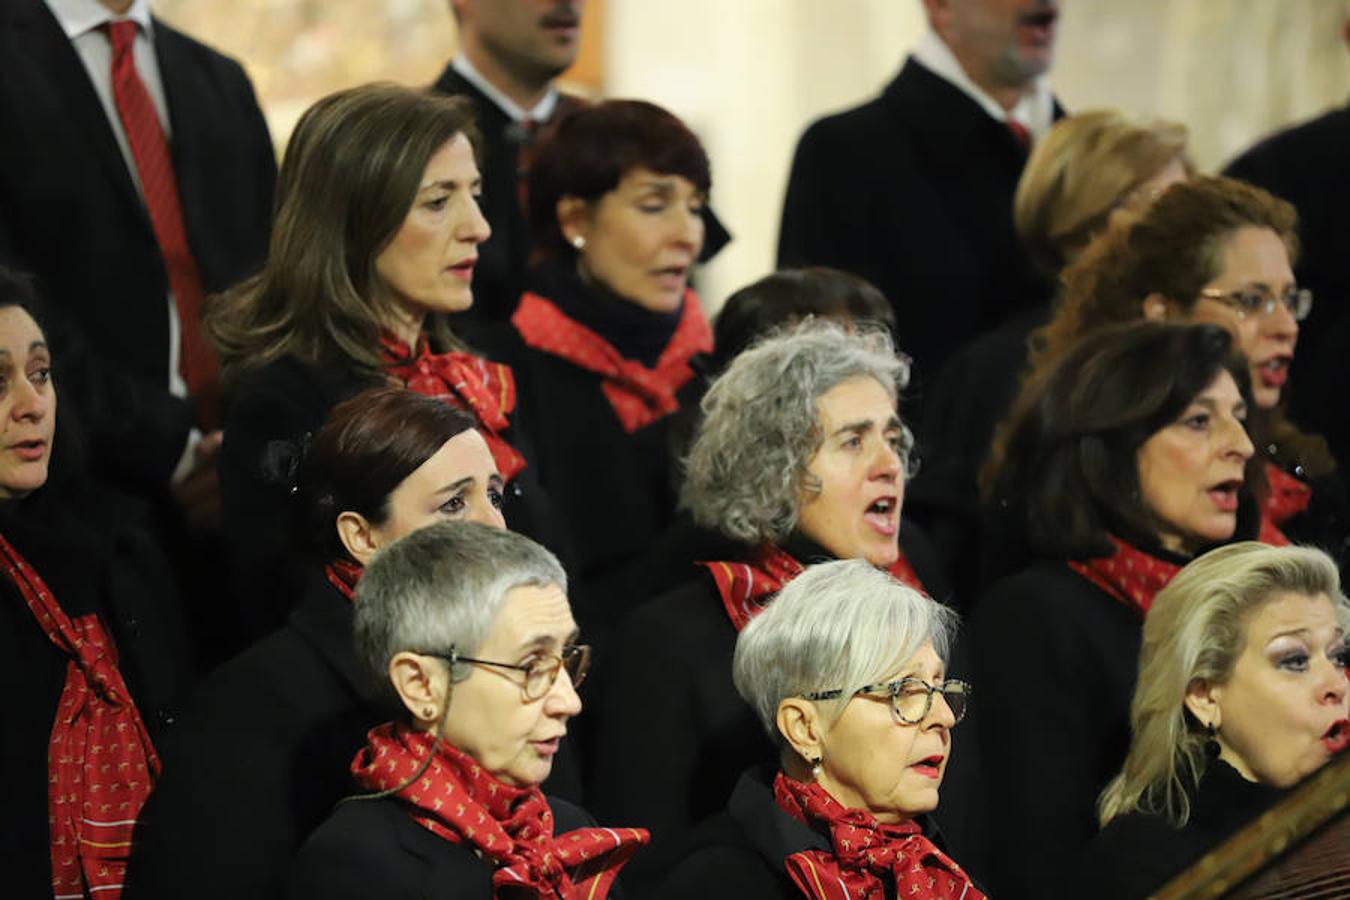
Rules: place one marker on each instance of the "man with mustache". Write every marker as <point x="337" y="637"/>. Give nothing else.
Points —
<point x="510" y="54"/>
<point x="913" y="190"/>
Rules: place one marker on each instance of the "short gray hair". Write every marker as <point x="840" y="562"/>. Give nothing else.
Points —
<point x="439" y="589"/>
<point x="838" y="625"/>
<point x="760" y="427"/>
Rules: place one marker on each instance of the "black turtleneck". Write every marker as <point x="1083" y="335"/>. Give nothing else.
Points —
<point x="638" y="334"/>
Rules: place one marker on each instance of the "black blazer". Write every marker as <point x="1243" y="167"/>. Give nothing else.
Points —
<point x="1055" y="660"/>
<point x="739" y="853"/>
<point x="1136" y="854"/>
<point x="913" y="191"/>
<point x="672" y="733"/>
<point x="278" y="404"/>
<point x="373" y="848"/>
<point x="95" y="559"/>
<point x="71" y="214"/>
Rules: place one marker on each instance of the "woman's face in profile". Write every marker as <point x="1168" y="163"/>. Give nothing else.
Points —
<point x="490" y="719"/>
<point x="641" y="238"/>
<point x="1191" y="472"/>
<point x="871" y="760"/>
<point x="1255" y="260"/>
<point x="1284" y="711"/>
<point x="27" y="404"/>
<point x="428" y="265"/>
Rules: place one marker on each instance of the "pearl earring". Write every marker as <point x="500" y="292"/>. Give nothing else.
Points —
<point x="579" y="242"/>
<point x="815" y="768"/>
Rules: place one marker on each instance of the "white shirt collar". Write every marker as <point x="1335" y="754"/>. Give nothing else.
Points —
<point x="539" y="113"/>
<point x="1036" y="109"/>
<point x="79" y="17"/>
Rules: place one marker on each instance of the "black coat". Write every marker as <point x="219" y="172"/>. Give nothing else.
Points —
<point x="739" y="853"/>
<point x="1055" y="660"/>
<point x="1136" y="854"/>
<point x="673" y="735"/>
<point x="94" y="560"/>
<point x="374" y="848"/>
<point x="278" y="404"/>
<point x="913" y="191"/>
<point x="71" y="214"/>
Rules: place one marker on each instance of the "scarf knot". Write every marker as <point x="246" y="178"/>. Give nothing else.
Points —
<point x="101" y="763"/>
<point x="1129" y="575"/>
<point x="511" y="828"/>
<point x="746" y="588"/>
<point x="864" y="852"/>
<point x="638" y="395"/>
<point x="484" y="388"/>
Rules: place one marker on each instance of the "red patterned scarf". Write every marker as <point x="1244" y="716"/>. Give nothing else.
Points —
<point x="747" y="587"/>
<point x="100" y="762"/>
<point x="1288" y="497"/>
<point x="484" y="388"/>
<point x="638" y="395"/>
<point x="864" y="851"/>
<point x="1131" y="576"/>
<point x="343" y="574"/>
<point x="510" y="828"/>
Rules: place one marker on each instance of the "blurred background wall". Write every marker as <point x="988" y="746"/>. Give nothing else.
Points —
<point x="749" y="75"/>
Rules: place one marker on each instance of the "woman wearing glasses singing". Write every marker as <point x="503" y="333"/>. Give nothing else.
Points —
<point x="468" y="631"/>
<point x="1218" y="250"/>
<point x="846" y="671"/>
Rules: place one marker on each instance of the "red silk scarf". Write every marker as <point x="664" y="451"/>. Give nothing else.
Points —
<point x="637" y="394"/>
<point x="510" y="828"/>
<point x="1131" y="576"/>
<point x="484" y="388"/>
<point x="100" y="762"/>
<point x="1288" y="497"/>
<point x="748" y="587"/>
<point x="343" y="574"/>
<point x="863" y="851"/>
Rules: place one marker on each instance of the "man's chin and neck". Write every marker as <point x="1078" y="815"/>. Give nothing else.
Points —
<point x="525" y="82"/>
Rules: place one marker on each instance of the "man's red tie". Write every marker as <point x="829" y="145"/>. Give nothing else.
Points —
<point x="1020" y="132"/>
<point x="197" y="360"/>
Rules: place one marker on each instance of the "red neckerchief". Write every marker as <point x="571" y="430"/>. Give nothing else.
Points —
<point x="747" y="587"/>
<point x="1131" y="576"/>
<point x="864" y="851"/>
<point x="100" y="762"/>
<point x="343" y="574"/>
<point x="1288" y="496"/>
<point x="510" y="828"/>
<point x="485" y="388"/>
<point x="638" y="395"/>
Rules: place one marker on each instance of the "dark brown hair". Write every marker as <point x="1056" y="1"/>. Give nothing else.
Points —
<point x="365" y="449"/>
<point x="349" y="176"/>
<point x="593" y="148"/>
<point x="790" y="296"/>
<point x="1064" y="473"/>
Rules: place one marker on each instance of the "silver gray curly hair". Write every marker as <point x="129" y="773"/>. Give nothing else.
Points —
<point x="746" y="468"/>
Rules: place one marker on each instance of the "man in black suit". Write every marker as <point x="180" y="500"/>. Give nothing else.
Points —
<point x="82" y="210"/>
<point x="913" y="190"/>
<point x="73" y="212"/>
<point x="510" y="52"/>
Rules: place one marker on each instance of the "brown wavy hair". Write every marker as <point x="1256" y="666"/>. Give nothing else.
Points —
<point x="349" y="176"/>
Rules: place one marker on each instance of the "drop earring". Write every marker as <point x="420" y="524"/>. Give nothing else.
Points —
<point x="816" y="771"/>
<point x="1211" y="741"/>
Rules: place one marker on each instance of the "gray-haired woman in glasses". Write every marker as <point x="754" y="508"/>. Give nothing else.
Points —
<point x="846" y="671"/>
<point x="469" y="633"/>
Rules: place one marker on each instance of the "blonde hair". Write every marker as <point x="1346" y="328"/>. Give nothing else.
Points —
<point x="1082" y="171"/>
<point x="1197" y="629"/>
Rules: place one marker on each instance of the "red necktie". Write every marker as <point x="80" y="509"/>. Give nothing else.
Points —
<point x="197" y="359"/>
<point x="1020" y="132"/>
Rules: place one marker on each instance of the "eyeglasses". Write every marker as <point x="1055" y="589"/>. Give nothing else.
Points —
<point x="541" y="673"/>
<point x="1252" y="301"/>
<point x="911" y="698"/>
